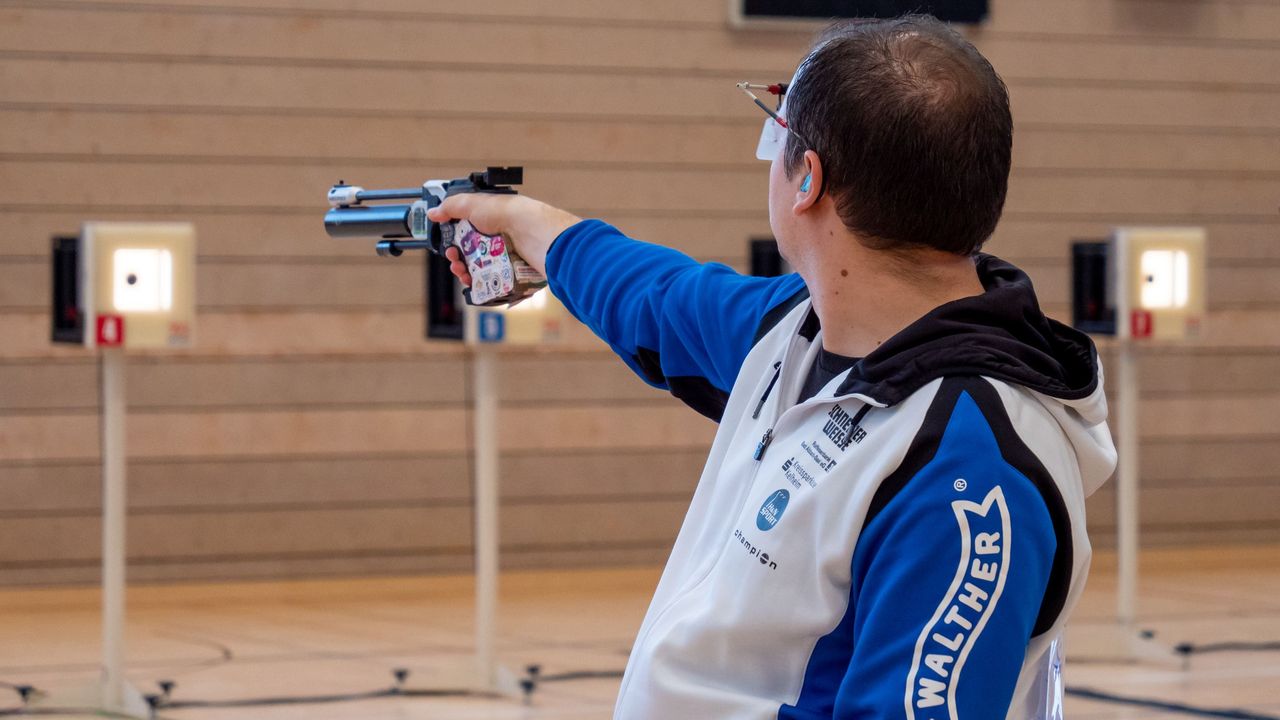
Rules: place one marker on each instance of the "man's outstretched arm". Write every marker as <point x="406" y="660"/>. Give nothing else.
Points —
<point x="679" y="324"/>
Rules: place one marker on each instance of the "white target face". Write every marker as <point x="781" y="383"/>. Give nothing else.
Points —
<point x="1165" y="279"/>
<point x="142" y="280"/>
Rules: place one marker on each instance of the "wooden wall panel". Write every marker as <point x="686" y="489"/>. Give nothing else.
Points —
<point x="274" y="433"/>
<point x="1194" y="461"/>
<point x="1174" y="506"/>
<point x="297" y="234"/>
<point x="265" y="84"/>
<point x="262" y="186"/>
<point x="635" y="425"/>
<point x="358" y="41"/>
<point x="1108" y="20"/>
<point x="71" y="488"/>
<point x="156" y="383"/>
<point x="288" y="88"/>
<point x="353" y="40"/>
<point x="312" y="430"/>
<point x="396" y="285"/>
<point x="728" y="142"/>
<point x="1250" y="239"/>
<point x="666" y="12"/>
<point x="253" y="533"/>
<point x="274" y="333"/>
<point x="1089" y="20"/>
<point x="548" y="379"/>
<point x="392" y="140"/>
<point x="285" y="236"/>
<point x="302" y="284"/>
<point x="408" y="560"/>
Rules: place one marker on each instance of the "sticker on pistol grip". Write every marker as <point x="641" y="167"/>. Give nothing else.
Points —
<point x="488" y="262"/>
<point x="527" y="275"/>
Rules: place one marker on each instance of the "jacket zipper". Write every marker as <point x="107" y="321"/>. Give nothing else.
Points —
<point x="767" y="438"/>
<point x="762" y="445"/>
<point x="777" y="371"/>
<point x="643" y="638"/>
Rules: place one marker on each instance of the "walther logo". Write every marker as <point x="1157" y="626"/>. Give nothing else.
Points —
<point x="945" y="642"/>
<point x="771" y="512"/>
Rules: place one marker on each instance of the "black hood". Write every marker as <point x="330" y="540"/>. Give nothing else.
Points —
<point x="1000" y="334"/>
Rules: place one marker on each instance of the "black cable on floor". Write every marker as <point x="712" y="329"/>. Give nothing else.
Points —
<point x="96" y="712"/>
<point x="313" y="699"/>
<point x="580" y="675"/>
<point x="164" y="702"/>
<point x="1153" y="704"/>
<point x="535" y="678"/>
<point x="1185" y="649"/>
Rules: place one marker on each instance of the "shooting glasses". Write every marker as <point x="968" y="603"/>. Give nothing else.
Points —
<point x="773" y="135"/>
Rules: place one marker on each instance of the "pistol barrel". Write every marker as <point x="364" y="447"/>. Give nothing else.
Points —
<point x="368" y="221"/>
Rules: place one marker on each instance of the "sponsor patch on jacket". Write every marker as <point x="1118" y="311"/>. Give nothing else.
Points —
<point x="754" y="550"/>
<point x="841" y="430"/>
<point x="946" y="640"/>
<point x="772" y="509"/>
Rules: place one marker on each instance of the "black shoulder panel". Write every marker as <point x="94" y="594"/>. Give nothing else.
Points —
<point x="1017" y="454"/>
<point x="699" y="394"/>
<point x="696" y="392"/>
<point x="925" y="445"/>
<point x="921" y="451"/>
<point x="649" y="361"/>
<point x="777" y="312"/>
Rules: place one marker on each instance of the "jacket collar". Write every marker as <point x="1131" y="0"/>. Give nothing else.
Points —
<point x="1001" y="334"/>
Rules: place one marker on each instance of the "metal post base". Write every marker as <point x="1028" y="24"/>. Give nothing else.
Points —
<point x="464" y="674"/>
<point x="93" y="698"/>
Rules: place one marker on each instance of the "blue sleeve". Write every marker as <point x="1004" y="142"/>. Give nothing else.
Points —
<point x="679" y="324"/>
<point x="949" y="580"/>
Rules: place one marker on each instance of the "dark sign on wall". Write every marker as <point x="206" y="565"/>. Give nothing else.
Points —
<point x="959" y="11"/>
<point x="444" y="300"/>
<point x="765" y="259"/>
<point x="1093" y="300"/>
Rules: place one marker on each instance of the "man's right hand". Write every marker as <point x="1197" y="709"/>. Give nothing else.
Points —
<point x="531" y="226"/>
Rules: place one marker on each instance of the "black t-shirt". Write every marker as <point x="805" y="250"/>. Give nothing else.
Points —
<point x="825" y="367"/>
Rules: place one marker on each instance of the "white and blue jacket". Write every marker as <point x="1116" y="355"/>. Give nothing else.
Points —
<point x="906" y="544"/>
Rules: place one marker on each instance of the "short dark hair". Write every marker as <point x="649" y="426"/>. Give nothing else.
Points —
<point x="913" y="129"/>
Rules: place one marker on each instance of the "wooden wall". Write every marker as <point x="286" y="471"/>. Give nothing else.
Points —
<point x="313" y="431"/>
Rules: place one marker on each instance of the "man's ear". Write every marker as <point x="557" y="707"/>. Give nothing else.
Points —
<point x="810" y="187"/>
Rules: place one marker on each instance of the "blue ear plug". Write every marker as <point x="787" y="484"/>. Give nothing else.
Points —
<point x="804" y="184"/>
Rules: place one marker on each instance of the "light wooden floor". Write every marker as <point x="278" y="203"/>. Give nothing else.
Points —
<point x="225" y="641"/>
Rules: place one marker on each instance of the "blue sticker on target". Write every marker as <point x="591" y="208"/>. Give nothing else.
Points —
<point x="492" y="327"/>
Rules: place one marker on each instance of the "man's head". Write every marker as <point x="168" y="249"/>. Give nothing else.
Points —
<point x="911" y="135"/>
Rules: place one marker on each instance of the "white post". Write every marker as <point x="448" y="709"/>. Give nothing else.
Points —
<point x="1127" y="489"/>
<point x="486" y="510"/>
<point x="114" y="505"/>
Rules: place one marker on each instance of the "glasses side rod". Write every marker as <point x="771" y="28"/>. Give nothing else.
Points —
<point x="770" y="112"/>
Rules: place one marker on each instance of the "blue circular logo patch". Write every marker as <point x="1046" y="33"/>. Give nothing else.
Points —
<point x="771" y="511"/>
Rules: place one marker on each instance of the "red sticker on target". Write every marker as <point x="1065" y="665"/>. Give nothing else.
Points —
<point x="110" y="331"/>
<point x="1141" y="323"/>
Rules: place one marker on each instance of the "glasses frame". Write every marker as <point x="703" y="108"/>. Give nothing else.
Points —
<point x="780" y="90"/>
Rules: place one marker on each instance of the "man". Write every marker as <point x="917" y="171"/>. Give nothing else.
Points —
<point x="891" y="520"/>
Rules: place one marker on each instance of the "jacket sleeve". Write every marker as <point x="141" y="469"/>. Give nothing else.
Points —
<point x="679" y="324"/>
<point x="951" y="573"/>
